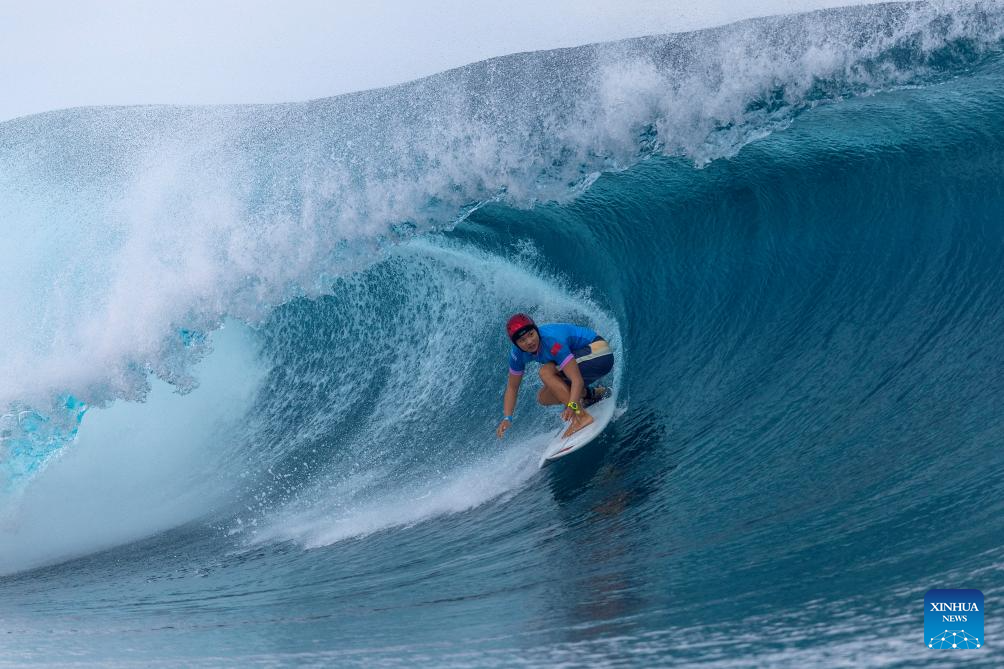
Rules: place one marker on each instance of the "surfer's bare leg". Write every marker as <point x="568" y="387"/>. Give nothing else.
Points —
<point x="555" y="390"/>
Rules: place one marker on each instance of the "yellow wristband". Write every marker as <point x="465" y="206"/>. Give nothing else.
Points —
<point x="574" y="406"/>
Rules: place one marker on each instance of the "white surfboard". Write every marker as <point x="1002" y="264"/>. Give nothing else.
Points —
<point x="560" y="446"/>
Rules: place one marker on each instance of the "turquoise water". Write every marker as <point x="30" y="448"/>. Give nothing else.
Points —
<point x="285" y="326"/>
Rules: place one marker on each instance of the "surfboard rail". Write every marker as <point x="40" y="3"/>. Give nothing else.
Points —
<point x="559" y="446"/>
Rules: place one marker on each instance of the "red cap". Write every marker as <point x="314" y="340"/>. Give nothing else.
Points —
<point x="518" y="326"/>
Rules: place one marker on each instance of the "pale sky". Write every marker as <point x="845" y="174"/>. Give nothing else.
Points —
<point x="57" y="54"/>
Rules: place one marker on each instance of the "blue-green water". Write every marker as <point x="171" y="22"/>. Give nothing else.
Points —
<point x="790" y="230"/>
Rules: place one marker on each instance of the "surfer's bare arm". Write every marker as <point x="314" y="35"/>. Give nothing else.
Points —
<point x="571" y="371"/>
<point x="509" y="403"/>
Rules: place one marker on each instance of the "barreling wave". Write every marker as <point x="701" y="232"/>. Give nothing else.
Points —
<point x="808" y="328"/>
<point x="141" y="230"/>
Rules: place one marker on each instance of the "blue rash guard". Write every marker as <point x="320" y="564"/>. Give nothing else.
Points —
<point x="557" y="341"/>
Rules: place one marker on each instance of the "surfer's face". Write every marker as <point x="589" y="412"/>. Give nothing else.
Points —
<point x="529" y="342"/>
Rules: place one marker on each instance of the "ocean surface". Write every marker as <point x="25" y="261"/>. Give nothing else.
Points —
<point x="253" y="357"/>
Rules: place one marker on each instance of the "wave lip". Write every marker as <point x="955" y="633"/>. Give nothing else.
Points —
<point x="29" y="439"/>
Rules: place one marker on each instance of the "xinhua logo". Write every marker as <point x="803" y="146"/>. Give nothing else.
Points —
<point x="953" y="619"/>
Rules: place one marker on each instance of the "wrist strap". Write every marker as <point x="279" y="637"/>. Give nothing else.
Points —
<point x="508" y="418"/>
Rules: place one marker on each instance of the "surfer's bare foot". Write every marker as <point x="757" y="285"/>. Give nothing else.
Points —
<point x="578" y="422"/>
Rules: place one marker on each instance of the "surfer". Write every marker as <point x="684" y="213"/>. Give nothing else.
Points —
<point x="571" y="358"/>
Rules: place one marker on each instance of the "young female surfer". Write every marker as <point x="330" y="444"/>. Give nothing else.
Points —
<point x="570" y="357"/>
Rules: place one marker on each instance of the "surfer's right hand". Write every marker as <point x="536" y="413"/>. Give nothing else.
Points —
<point x="503" y="426"/>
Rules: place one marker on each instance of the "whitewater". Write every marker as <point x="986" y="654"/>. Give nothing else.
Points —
<point x="253" y="359"/>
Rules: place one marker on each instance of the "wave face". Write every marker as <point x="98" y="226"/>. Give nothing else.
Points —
<point x="254" y="358"/>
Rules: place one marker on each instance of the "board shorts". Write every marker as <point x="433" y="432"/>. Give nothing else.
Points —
<point x="591" y="365"/>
